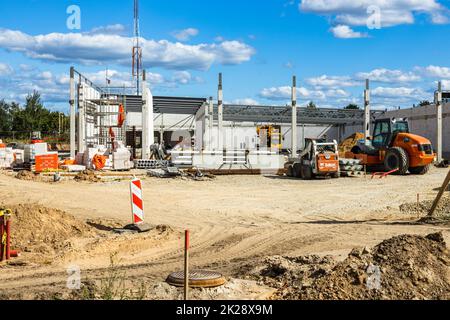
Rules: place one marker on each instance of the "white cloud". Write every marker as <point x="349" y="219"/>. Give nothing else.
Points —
<point x="186" y="34"/>
<point x="182" y="77"/>
<point x="345" y="32"/>
<point x="232" y="52"/>
<point x="114" y="29"/>
<point x="399" y="93"/>
<point x="392" y="12"/>
<point x="105" y="48"/>
<point x="284" y="93"/>
<point x="333" y="81"/>
<point x="435" y="71"/>
<point x="389" y="76"/>
<point x="337" y="93"/>
<point x="5" y="69"/>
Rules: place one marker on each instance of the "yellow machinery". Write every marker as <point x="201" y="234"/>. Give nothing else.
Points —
<point x="270" y="137"/>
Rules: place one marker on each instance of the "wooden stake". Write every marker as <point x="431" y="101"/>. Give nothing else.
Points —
<point x="439" y="196"/>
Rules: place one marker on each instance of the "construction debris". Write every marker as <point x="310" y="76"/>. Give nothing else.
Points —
<point x="27" y="176"/>
<point x="423" y="207"/>
<point x="87" y="176"/>
<point x="403" y="267"/>
<point x="164" y="172"/>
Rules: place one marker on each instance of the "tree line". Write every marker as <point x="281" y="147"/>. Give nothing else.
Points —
<point x="20" y="121"/>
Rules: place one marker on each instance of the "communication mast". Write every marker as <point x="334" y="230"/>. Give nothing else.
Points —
<point x="137" y="50"/>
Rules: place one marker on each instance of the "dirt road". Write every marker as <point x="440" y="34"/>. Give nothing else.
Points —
<point x="233" y="219"/>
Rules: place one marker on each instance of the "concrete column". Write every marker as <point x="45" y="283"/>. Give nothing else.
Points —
<point x="72" y="113"/>
<point x="438" y="102"/>
<point x="367" y="112"/>
<point x="294" y="146"/>
<point x="147" y="119"/>
<point x="161" y="130"/>
<point x="81" y="117"/>
<point x="210" y="124"/>
<point x="220" y="114"/>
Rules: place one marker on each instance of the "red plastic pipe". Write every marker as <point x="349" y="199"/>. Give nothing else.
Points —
<point x="2" y="230"/>
<point x="14" y="254"/>
<point x="8" y="239"/>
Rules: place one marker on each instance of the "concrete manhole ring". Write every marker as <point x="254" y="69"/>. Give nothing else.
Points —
<point x="197" y="279"/>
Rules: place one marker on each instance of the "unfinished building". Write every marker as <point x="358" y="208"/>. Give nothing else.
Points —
<point x="212" y="135"/>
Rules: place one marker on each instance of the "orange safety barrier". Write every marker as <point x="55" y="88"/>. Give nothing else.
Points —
<point x="47" y="162"/>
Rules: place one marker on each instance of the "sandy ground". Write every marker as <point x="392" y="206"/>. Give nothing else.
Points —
<point x="233" y="219"/>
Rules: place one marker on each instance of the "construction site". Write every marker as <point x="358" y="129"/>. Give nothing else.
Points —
<point x="173" y="197"/>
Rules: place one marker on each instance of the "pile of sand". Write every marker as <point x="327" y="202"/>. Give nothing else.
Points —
<point x="42" y="230"/>
<point x="404" y="267"/>
<point x="88" y="176"/>
<point x="422" y="208"/>
<point x="27" y="176"/>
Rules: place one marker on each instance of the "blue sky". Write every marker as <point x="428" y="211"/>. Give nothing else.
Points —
<point x="258" y="45"/>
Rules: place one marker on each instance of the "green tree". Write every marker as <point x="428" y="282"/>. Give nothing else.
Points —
<point x="352" y="106"/>
<point x="424" y="103"/>
<point x="5" y="116"/>
<point x="33" y="116"/>
<point x="311" y="105"/>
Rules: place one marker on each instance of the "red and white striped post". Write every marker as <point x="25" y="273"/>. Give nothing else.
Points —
<point x="137" y="202"/>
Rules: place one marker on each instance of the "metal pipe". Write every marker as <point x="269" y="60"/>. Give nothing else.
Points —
<point x="367" y="112"/>
<point x="72" y="113"/>
<point x="294" y="147"/>
<point x="186" y="265"/>
<point x="438" y="102"/>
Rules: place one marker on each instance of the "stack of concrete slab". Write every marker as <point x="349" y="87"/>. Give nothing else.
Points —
<point x="33" y="150"/>
<point x="6" y="158"/>
<point x="121" y="157"/>
<point x="351" y="167"/>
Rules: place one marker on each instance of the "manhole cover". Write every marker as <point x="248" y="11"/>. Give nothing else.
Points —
<point x="197" y="279"/>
